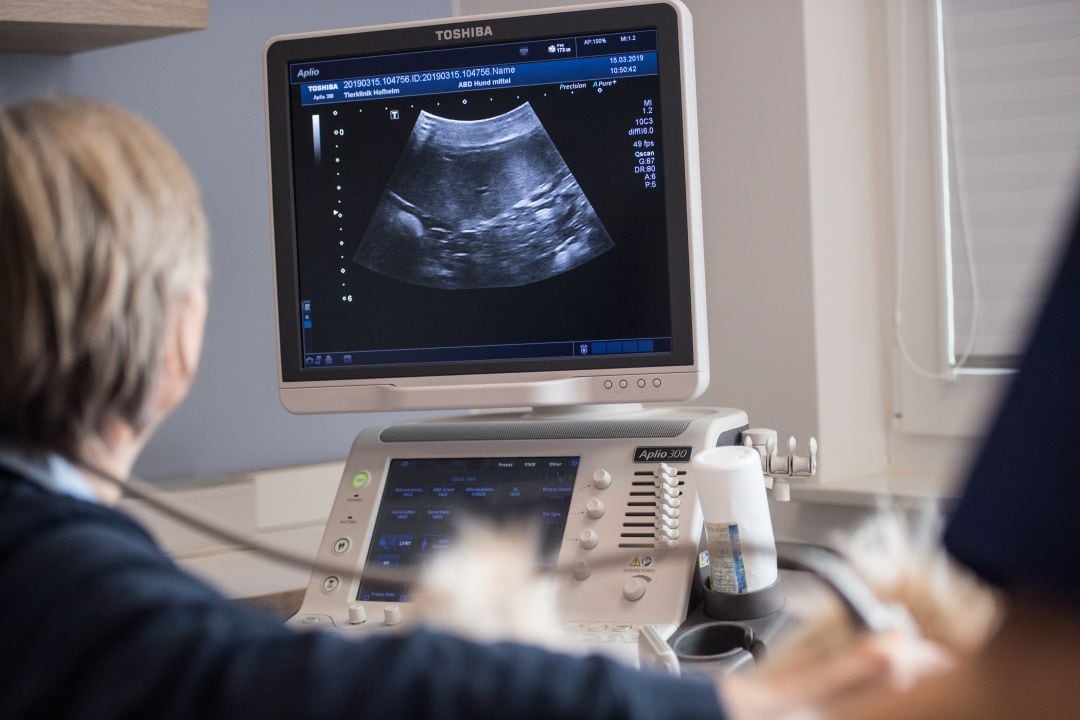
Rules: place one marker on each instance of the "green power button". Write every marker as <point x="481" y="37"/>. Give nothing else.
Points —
<point x="361" y="479"/>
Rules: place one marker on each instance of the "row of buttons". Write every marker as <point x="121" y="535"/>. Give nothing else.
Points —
<point x="597" y="627"/>
<point x="624" y="383"/>
<point x="603" y="632"/>
<point x="343" y="544"/>
<point x="358" y="616"/>
<point x="595" y="509"/>
<point x="634" y="588"/>
<point x="667" y="507"/>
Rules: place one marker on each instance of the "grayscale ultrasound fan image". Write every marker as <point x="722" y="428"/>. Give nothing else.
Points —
<point x="481" y="204"/>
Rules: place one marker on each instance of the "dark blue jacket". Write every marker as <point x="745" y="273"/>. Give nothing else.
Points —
<point x="1016" y="524"/>
<point x="96" y="622"/>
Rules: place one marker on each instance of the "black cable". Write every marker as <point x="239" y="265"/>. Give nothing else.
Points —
<point x="144" y="492"/>
<point x="864" y="607"/>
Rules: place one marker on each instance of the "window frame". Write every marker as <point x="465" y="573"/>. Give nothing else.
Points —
<point x="957" y="403"/>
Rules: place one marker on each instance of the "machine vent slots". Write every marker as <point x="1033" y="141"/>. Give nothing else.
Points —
<point x="535" y="430"/>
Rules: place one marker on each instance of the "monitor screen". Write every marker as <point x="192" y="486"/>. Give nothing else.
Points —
<point x="498" y="202"/>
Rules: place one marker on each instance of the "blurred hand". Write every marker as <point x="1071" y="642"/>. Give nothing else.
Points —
<point x="874" y="665"/>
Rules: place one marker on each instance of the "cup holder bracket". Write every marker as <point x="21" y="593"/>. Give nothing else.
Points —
<point x="713" y="641"/>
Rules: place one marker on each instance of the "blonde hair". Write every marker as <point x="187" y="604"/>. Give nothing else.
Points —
<point x="101" y="228"/>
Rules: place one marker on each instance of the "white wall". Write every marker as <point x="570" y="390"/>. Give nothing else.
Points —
<point x="850" y="210"/>
<point x="754" y="170"/>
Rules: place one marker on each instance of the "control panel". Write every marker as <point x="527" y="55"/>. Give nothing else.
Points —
<point x="612" y="497"/>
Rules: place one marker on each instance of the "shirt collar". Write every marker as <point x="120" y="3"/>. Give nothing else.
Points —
<point x="50" y="470"/>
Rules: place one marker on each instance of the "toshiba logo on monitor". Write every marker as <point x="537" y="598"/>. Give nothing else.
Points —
<point x="462" y="33"/>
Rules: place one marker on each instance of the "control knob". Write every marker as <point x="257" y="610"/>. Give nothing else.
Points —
<point x="392" y="615"/>
<point x="589" y="538"/>
<point x="581" y="569"/>
<point x="634" y="588"/>
<point x="601" y="479"/>
<point x="357" y="614"/>
<point x="595" y="508"/>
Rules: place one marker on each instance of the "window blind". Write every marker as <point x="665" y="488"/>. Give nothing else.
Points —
<point x="1011" y="115"/>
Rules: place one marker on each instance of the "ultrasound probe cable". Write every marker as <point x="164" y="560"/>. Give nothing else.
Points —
<point x="144" y="492"/>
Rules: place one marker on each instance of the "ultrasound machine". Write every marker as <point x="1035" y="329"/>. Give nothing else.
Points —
<point x="500" y="215"/>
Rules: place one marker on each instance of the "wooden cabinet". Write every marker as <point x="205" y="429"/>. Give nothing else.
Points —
<point x="71" y="26"/>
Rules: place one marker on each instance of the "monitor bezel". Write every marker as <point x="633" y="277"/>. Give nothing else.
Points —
<point x="689" y="346"/>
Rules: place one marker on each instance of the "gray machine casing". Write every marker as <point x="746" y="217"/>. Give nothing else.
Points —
<point x="629" y="445"/>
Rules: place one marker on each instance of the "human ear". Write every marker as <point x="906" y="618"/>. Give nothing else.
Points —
<point x="190" y="333"/>
<point x="184" y="324"/>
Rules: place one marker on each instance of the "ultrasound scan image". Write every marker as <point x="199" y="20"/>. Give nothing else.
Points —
<point x="481" y="204"/>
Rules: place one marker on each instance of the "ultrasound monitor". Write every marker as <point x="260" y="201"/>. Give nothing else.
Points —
<point x="488" y="212"/>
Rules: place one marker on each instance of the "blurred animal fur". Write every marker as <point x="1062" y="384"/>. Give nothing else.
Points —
<point x="487" y="587"/>
<point x="901" y="559"/>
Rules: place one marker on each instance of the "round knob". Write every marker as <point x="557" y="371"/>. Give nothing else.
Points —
<point x="392" y="615"/>
<point x="357" y="614"/>
<point x="589" y="538"/>
<point x="668" y="543"/>
<point x="581" y="569"/>
<point x="595" y="508"/>
<point x="634" y="588"/>
<point x="601" y="478"/>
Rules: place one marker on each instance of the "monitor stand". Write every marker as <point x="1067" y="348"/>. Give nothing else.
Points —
<point x="636" y="414"/>
<point x="639" y="426"/>
<point x="582" y="411"/>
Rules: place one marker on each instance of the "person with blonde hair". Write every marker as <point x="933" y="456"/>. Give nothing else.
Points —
<point x="103" y="297"/>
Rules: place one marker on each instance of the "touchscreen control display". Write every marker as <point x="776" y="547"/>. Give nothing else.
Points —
<point x="425" y="500"/>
